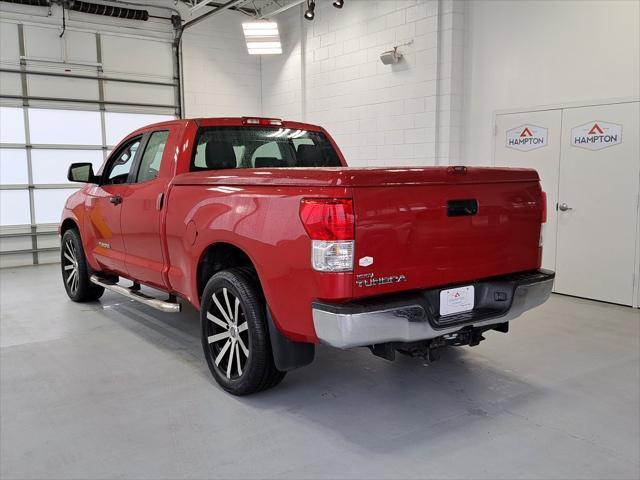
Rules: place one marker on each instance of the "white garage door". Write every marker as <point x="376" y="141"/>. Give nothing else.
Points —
<point x="65" y="100"/>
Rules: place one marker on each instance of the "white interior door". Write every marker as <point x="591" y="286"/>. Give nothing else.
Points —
<point x="598" y="202"/>
<point x="532" y="140"/>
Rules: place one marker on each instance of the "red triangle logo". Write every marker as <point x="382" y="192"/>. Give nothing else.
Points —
<point x="595" y="129"/>
<point x="526" y="132"/>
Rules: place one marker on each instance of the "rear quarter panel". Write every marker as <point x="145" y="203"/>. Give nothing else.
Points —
<point x="264" y="222"/>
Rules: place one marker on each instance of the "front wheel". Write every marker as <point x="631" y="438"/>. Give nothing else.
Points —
<point x="75" y="270"/>
<point x="235" y="337"/>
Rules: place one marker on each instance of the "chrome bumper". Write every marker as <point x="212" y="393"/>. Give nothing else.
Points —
<point x="412" y="318"/>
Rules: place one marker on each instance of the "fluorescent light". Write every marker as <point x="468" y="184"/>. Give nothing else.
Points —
<point x="298" y="133"/>
<point x="267" y="51"/>
<point x="262" y="37"/>
<point x="276" y="134"/>
<point x="281" y="132"/>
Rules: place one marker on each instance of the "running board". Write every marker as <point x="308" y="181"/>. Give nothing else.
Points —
<point x="169" y="307"/>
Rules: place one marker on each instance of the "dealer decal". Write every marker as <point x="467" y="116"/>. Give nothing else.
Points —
<point x="596" y="135"/>
<point x="527" y="137"/>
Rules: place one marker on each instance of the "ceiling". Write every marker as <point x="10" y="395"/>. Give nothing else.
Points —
<point x="257" y="8"/>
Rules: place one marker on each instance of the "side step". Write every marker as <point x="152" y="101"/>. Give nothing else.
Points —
<point x="134" y="294"/>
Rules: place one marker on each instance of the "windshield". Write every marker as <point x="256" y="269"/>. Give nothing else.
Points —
<point x="249" y="147"/>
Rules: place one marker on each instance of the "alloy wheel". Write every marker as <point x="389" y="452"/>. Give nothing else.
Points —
<point x="228" y="334"/>
<point x="70" y="267"/>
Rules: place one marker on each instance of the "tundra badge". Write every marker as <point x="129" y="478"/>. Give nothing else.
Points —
<point x="368" y="280"/>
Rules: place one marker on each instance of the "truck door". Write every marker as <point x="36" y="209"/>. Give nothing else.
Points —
<point x="142" y="211"/>
<point x="104" y="205"/>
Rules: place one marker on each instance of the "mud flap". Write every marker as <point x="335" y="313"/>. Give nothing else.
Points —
<point x="287" y="354"/>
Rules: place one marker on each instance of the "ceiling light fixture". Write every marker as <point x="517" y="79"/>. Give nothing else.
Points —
<point x="311" y="6"/>
<point x="262" y="37"/>
<point x="338" y="3"/>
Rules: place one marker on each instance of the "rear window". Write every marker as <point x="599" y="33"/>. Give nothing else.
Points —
<point x="249" y="147"/>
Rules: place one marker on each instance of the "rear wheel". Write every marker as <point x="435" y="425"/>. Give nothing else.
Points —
<point x="235" y="337"/>
<point x="75" y="270"/>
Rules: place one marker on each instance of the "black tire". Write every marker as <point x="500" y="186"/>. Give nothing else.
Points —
<point x="75" y="270"/>
<point x="240" y="358"/>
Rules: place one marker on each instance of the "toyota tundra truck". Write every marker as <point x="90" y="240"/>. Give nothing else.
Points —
<point x="260" y="224"/>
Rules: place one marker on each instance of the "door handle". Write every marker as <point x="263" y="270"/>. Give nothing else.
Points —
<point x="116" y="199"/>
<point x="563" y="207"/>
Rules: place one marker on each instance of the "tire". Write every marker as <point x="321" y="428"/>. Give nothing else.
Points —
<point x="235" y="336"/>
<point x="75" y="270"/>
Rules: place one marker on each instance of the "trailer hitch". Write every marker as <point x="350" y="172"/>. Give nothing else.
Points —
<point x="431" y="349"/>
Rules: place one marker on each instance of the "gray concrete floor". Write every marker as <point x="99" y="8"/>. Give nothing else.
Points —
<point x="116" y="390"/>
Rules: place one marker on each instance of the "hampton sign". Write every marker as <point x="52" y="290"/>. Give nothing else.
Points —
<point x="527" y="137"/>
<point x="596" y="135"/>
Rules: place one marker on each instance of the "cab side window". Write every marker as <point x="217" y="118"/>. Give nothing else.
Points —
<point x="152" y="157"/>
<point x="117" y="171"/>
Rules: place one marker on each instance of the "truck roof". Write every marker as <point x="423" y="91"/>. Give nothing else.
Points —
<point x="237" y="122"/>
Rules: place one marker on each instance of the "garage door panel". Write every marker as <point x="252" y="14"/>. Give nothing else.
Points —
<point x="49" y="241"/>
<point x="15" y="243"/>
<point x="12" y="121"/>
<point x="137" y="56"/>
<point x="10" y="84"/>
<point x="139" y="93"/>
<point x="74" y="88"/>
<point x="80" y="47"/>
<point x="49" y="203"/>
<point x="16" y="260"/>
<point x="51" y="166"/>
<point x="64" y="127"/>
<point x="42" y="43"/>
<point x="10" y="51"/>
<point x="9" y="213"/>
<point x="13" y="166"/>
<point x="48" y="257"/>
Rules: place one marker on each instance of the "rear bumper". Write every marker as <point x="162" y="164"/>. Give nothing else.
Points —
<point x="414" y="316"/>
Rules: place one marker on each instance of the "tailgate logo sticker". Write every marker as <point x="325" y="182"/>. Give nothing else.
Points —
<point x="596" y="135"/>
<point x="369" y="280"/>
<point x="527" y="137"/>
<point x="365" y="261"/>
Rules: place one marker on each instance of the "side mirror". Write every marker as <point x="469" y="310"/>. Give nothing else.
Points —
<point x="81" y="172"/>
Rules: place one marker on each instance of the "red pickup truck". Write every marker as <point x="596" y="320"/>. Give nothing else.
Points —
<point x="260" y="224"/>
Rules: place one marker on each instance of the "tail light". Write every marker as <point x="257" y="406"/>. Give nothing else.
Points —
<point x="330" y="224"/>
<point x="543" y="217"/>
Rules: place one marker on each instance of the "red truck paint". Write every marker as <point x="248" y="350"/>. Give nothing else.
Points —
<point x="161" y="230"/>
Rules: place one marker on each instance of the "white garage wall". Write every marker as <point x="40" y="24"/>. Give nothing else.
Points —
<point x="282" y="82"/>
<point x="379" y="115"/>
<point x="220" y="77"/>
<point x="526" y="54"/>
<point x="330" y="73"/>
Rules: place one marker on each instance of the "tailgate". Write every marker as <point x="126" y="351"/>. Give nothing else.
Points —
<point x="425" y="235"/>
